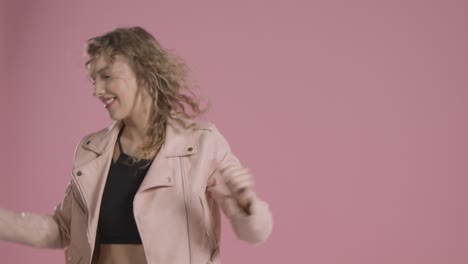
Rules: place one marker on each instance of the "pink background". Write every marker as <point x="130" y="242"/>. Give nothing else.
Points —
<point x="351" y="114"/>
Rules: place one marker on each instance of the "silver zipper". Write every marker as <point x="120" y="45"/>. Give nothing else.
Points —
<point x="187" y="211"/>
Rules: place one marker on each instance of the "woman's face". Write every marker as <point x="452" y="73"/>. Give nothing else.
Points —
<point x="116" y="86"/>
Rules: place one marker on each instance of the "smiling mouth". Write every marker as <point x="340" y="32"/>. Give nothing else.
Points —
<point x="109" y="102"/>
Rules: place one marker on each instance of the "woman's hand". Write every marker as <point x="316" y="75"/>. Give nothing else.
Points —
<point x="240" y="183"/>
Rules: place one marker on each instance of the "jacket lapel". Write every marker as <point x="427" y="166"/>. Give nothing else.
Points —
<point x="91" y="176"/>
<point x="179" y="142"/>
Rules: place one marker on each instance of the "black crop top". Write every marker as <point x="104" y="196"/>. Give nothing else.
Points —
<point x="116" y="220"/>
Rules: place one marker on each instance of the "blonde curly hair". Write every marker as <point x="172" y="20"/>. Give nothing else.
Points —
<point x="164" y="75"/>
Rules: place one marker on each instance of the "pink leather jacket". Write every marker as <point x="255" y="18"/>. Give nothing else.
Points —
<point x="177" y="207"/>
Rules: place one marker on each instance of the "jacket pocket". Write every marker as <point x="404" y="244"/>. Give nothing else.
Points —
<point x="79" y="201"/>
<point x="72" y="256"/>
<point x="208" y="225"/>
<point x="78" y="226"/>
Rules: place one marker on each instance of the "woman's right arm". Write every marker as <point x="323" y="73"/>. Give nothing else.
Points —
<point x="39" y="230"/>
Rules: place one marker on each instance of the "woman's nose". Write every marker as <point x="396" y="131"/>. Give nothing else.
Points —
<point x="98" y="90"/>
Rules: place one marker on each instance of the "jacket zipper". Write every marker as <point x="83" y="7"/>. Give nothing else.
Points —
<point x="87" y="215"/>
<point x="186" y="200"/>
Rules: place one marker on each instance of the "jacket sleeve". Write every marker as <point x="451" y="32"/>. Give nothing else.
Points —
<point x="38" y="230"/>
<point x="255" y="227"/>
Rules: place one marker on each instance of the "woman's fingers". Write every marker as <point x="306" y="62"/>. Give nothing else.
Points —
<point x="229" y="170"/>
<point x="234" y="172"/>
<point x="239" y="179"/>
<point x="239" y="184"/>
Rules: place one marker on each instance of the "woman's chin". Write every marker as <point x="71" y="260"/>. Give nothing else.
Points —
<point x="114" y="116"/>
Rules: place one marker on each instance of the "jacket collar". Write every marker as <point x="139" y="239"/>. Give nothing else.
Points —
<point x="178" y="142"/>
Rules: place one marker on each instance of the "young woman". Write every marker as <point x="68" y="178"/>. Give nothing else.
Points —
<point x="148" y="188"/>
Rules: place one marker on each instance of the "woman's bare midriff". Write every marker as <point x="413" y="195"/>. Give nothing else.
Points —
<point x="121" y="254"/>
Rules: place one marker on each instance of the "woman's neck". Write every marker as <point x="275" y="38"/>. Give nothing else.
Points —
<point x="134" y="132"/>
